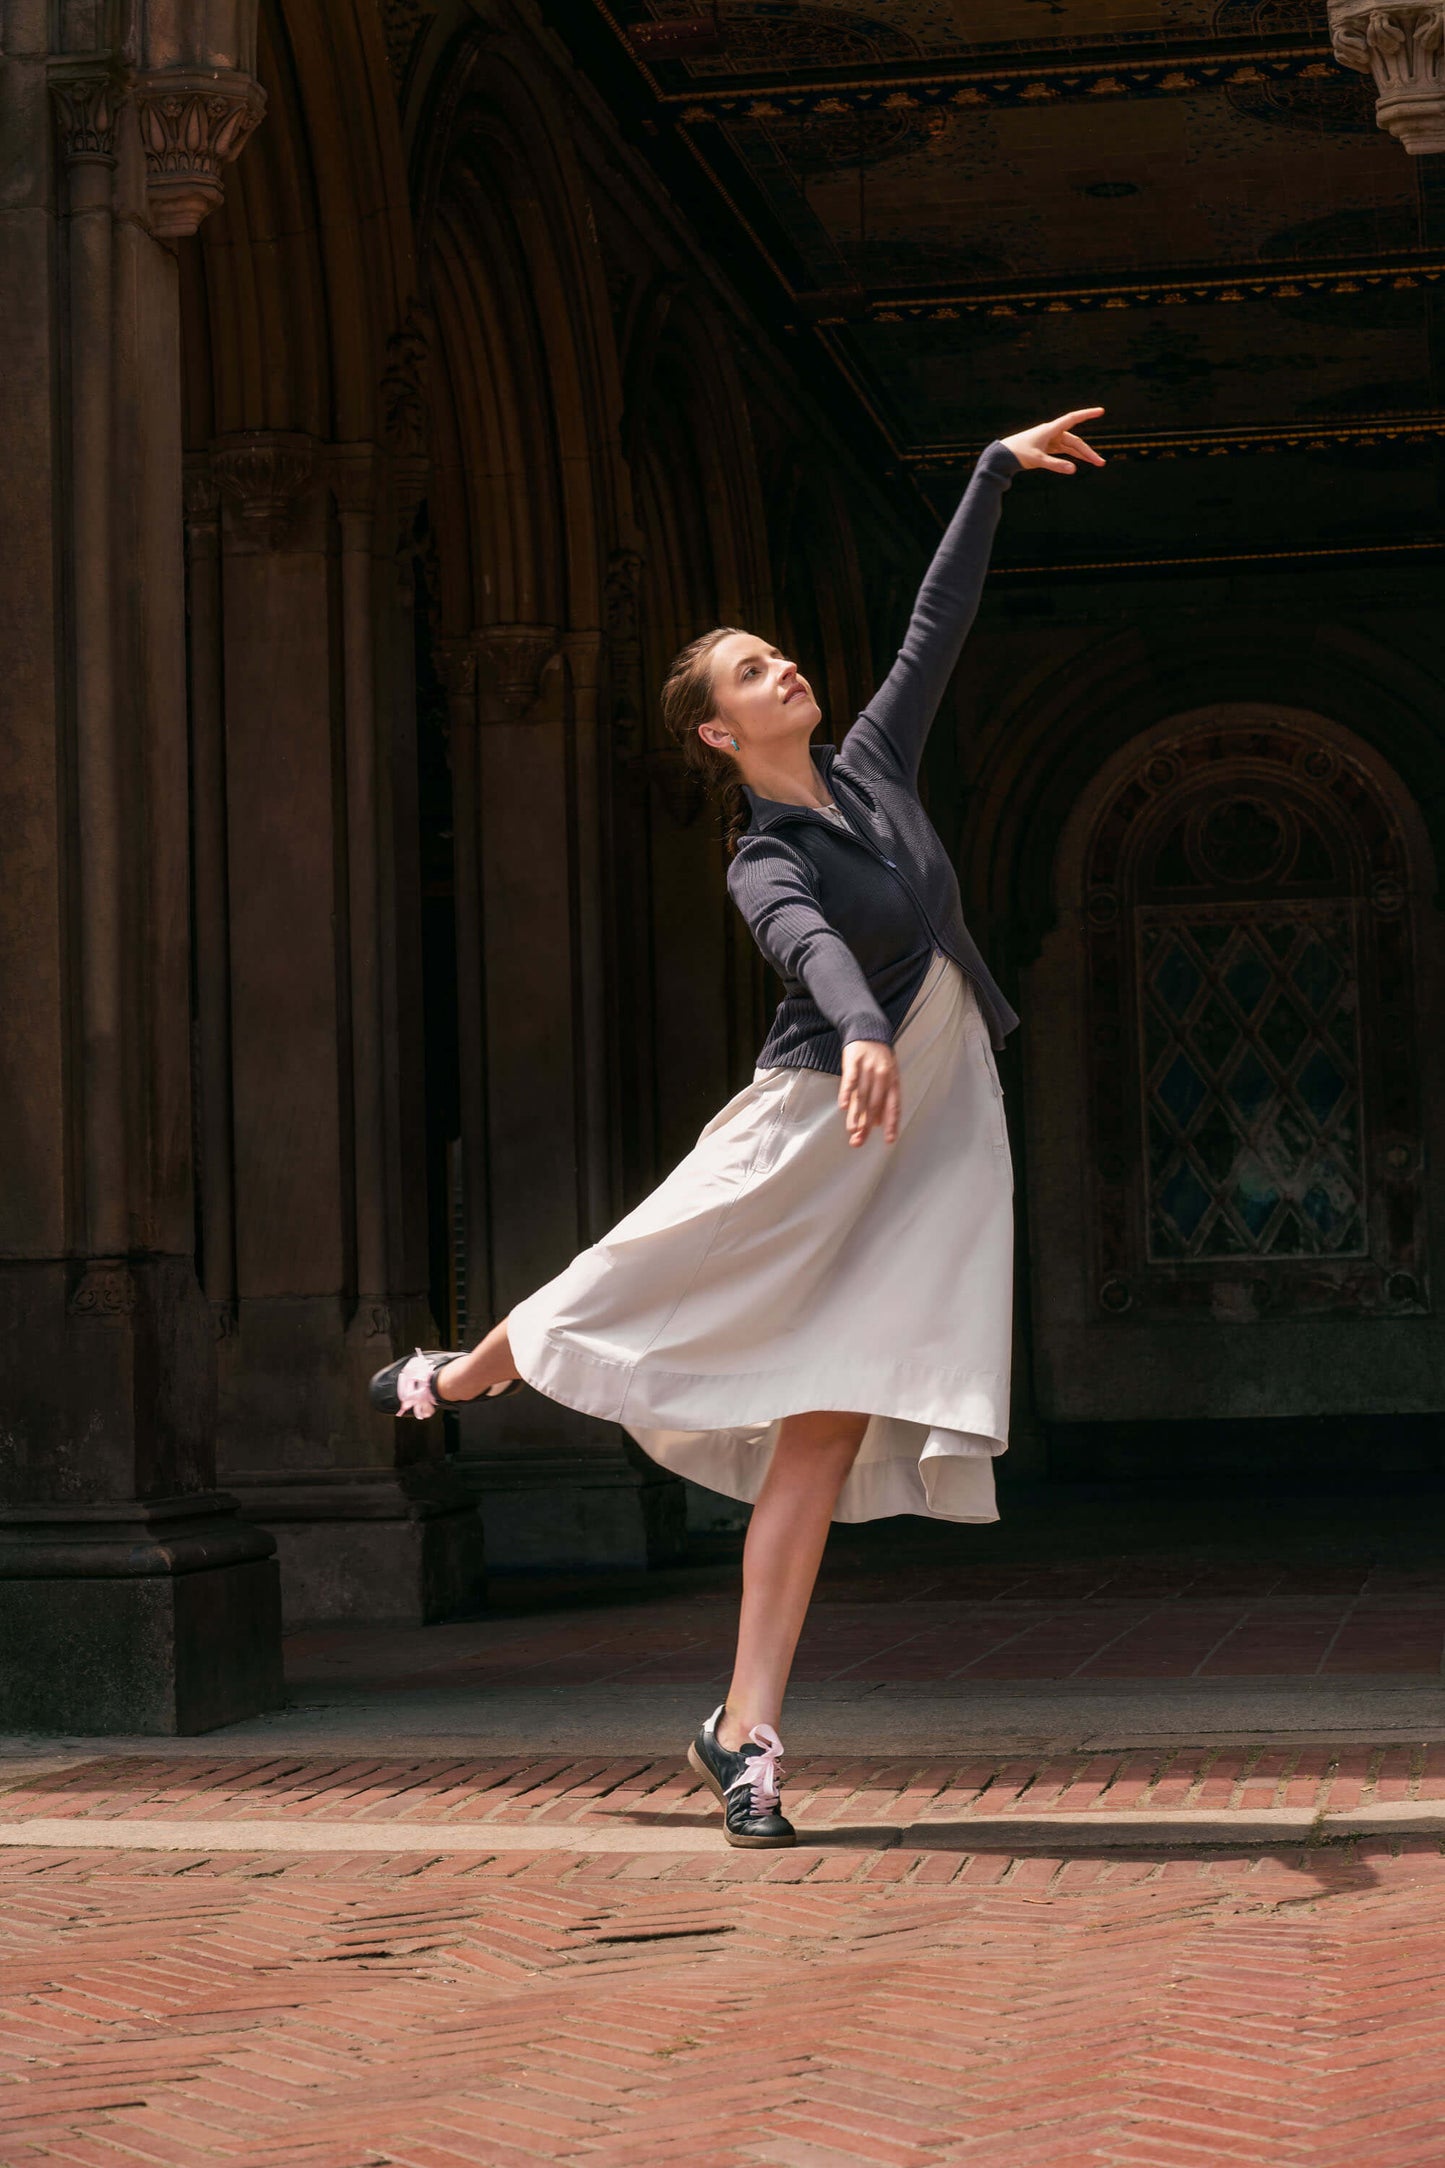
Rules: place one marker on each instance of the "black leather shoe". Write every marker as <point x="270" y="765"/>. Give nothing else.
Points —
<point x="745" y="1782"/>
<point x="408" y="1386"/>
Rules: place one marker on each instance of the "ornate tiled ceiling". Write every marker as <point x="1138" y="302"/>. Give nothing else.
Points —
<point x="976" y="210"/>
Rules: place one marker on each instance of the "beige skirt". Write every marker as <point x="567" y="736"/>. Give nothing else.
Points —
<point x="779" y="1270"/>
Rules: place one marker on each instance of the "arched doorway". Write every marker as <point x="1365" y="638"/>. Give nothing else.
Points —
<point x="1229" y="1131"/>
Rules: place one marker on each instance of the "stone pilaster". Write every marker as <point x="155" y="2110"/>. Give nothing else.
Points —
<point x="369" y="1519"/>
<point x="131" y="1597"/>
<point x="555" y="1489"/>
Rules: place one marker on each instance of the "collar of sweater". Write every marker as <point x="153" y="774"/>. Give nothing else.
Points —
<point x="768" y="812"/>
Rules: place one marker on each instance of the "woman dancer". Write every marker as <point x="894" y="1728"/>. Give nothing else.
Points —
<point x="789" y="1318"/>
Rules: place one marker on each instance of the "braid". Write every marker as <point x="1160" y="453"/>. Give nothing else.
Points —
<point x="686" y="702"/>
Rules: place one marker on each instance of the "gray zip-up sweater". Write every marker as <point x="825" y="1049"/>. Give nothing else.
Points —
<point x="849" y="919"/>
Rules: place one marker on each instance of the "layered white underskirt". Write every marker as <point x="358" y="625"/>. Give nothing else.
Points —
<point x="778" y="1270"/>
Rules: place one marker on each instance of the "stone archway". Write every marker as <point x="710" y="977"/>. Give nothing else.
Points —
<point x="1230" y="1138"/>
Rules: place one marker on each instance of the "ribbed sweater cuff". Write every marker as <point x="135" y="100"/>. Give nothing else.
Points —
<point x="998" y="460"/>
<point x="868" y="1024"/>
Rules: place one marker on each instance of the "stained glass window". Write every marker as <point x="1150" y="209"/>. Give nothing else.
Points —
<point x="1251" y="1081"/>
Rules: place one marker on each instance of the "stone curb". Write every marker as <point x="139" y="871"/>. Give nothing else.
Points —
<point x="996" y="1832"/>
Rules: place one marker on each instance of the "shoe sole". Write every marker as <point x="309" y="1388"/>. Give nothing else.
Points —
<point x="700" y="1768"/>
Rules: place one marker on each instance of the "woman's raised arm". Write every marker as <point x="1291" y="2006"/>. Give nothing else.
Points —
<point x="894" y="726"/>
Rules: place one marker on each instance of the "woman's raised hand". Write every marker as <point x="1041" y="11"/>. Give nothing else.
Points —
<point x="869" y="1094"/>
<point x="1047" y="443"/>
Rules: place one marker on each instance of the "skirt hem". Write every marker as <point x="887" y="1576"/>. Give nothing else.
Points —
<point x="973" y="1408"/>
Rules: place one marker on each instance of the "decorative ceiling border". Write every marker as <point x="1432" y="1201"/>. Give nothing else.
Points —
<point x="1341" y="554"/>
<point x="1351" y="433"/>
<point x="1291" y="279"/>
<point x="1107" y="73"/>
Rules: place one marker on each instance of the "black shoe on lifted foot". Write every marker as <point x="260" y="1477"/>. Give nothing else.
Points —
<point x="745" y="1782"/>
<point x="409" y="1386"/>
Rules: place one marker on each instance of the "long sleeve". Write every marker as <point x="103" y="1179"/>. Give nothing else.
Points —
<point x="771" y="886"/>
<point x="893" y="729"/>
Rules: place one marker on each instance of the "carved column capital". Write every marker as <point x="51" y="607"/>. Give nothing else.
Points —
<point x="87" y="106"/>
<point x="1403" y="48"/>
<point x="105" y="1289"/>
<point x="511" y="660"/>
<point x="353" y="472"/>
<point x="201" y="496"/>
<point x="456" y="666"/>
<point x="263" y="474"/>
<point x="193" y="121"/>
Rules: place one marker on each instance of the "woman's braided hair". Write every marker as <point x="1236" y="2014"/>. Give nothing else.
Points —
<point x="686" y="701"/>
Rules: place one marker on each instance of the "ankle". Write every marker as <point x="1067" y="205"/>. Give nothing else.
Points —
<point x="733" y="1732"/>
<point x="439" y="1383"/>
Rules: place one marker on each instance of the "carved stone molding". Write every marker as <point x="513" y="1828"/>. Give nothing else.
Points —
<point x="105" y="1289"/>
<point x="263" y="474"/>
<point x="1403" y="48"/>
<point x="87" y="107"/>
<point x="193" y="121"/>
<point x="511" y="660"/>
<point x="403" y="383"/>
<point x="624" y="642"/>
<point x="402" y="23"/>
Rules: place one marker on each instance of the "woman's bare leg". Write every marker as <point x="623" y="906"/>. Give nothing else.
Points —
<point x="489" y="1363"/>
<point x="781" y="1557"/>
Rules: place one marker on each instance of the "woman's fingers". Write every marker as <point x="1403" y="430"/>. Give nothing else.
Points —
<point x="1081" y="450"/>
<point x="892" y="1108"/>
<point x="868" y="1093"/>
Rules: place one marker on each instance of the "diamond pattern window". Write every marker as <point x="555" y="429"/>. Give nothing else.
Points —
<point x="1254" y="1115"/>
<point x="1251" y="1082"/>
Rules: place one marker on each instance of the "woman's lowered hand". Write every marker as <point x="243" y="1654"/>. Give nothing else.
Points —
<point x="869" y="1094"/>
<point x="1048" y="444"/>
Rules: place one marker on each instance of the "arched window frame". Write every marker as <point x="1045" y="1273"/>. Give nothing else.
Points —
<point x="1309" y="777"/>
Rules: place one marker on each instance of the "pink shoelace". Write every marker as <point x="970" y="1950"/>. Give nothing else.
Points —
<point x="762" y="1769"/>
<point x="414" y="1388"/>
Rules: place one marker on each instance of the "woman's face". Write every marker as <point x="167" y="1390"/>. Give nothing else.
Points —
<point x="759" y="697"/>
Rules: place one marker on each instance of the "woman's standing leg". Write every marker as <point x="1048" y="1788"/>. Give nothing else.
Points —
<point x="784" y="1549"/>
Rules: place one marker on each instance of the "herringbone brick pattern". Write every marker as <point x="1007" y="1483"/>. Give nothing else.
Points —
<point x="820" y="2009"/>
<point x="823" y="1796"/>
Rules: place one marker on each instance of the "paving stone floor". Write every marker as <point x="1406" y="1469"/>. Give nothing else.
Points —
<point x="1191" y="1952"/>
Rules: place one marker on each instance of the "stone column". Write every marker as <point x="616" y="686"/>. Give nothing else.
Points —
<point x="370" y="1520"/>
<point x="1403" y="47"/>
<point x="457" y="663"/>
<point x="131" y="1597"/>
<point x="216" y="1170"/>
<point x="555" y="1488"/>
<point x="353" y="482"/>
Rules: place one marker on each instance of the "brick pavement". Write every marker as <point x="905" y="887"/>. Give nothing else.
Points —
<point x="829" y="1796"/>
<point x="921" y="1984"/>
<point x="814" y="2009"/>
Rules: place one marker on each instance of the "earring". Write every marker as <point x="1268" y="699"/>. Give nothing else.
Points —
<point x="734" y="743"/>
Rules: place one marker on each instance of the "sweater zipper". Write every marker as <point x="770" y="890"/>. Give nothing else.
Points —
<point x="887" y="863"/>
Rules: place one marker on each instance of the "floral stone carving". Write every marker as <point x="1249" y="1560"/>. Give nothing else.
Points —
<point x="193" y="121"/>
<point x="1403" y="48"/>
